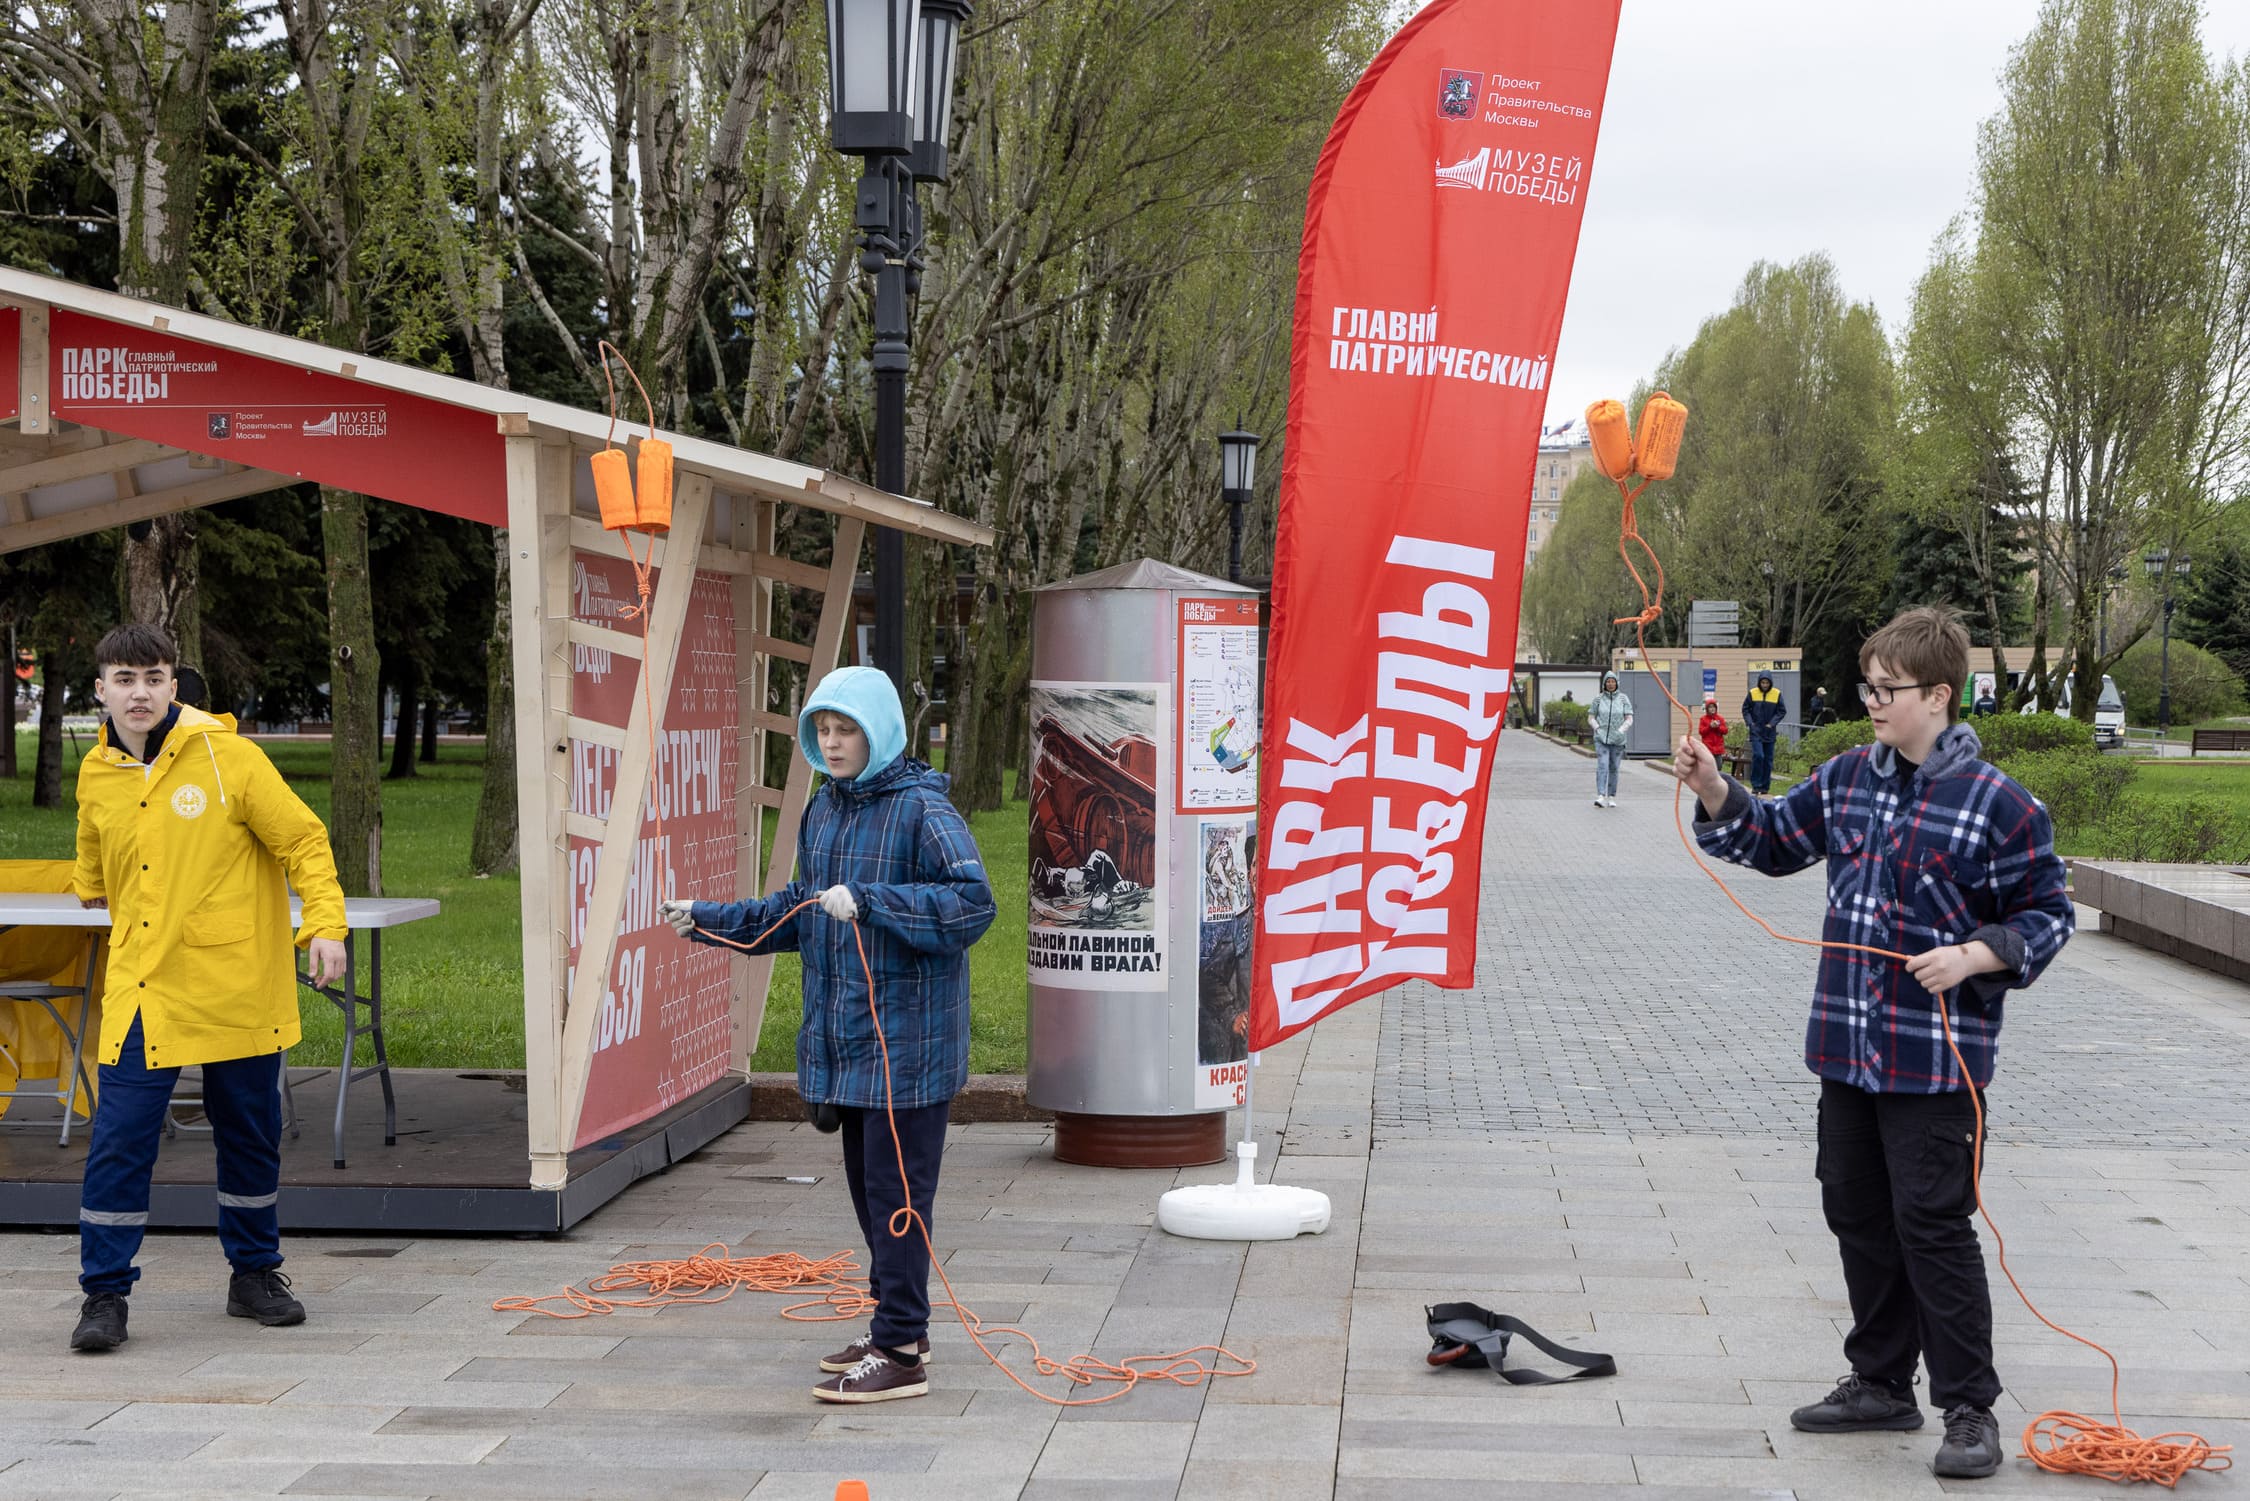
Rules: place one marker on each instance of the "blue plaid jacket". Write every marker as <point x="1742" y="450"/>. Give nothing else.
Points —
<point x="1955" y="852"/>
<point x="914" y="870"/>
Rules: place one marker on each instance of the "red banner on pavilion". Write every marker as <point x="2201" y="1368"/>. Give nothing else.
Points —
<point x="1438" y="241"/>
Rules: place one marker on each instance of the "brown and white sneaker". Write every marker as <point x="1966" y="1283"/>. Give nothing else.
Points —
<point x="859" y="1349"/>
<point x="877" y="1378"/>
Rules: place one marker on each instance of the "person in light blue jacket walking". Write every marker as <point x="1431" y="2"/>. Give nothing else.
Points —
<point x="882" y="847"/>
<point x="1611" y="716"/>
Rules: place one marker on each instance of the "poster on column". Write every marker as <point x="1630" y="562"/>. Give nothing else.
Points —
<point x="1229" y="850"/>
<point x="1217" y="770"/>
<point x="666" y="1023"/>
<point x="1097" y="866"/>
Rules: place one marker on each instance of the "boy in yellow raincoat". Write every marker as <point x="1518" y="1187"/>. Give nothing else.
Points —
<point x="191" y="839"/>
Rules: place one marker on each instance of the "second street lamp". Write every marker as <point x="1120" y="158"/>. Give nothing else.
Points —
<point x="1238" y="470"/>
<point x="2162" y="567"/>
<point x="890" y="81"/>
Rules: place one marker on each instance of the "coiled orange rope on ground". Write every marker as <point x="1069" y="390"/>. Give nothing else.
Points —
<point x="2062" y="1443"/>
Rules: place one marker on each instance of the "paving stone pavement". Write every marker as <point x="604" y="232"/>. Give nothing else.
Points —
<point x="1607" y="1137"/>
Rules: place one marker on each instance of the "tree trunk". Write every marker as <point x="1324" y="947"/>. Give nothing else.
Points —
<point x="8" y="698"/>
<point x="46" y="781"/>
<point x="492" y="842"/>
<point x="409" y="687"/>
<point x="355" y="823"/>
<point x="160" y="581"/>
<point x="429" y="730"/>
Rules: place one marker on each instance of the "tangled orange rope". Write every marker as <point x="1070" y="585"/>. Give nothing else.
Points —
<point x="696" y="1278"/>
<point x="2062" y="1443"/>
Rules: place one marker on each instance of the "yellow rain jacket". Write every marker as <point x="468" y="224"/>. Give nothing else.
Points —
<point x="191" y="853"/>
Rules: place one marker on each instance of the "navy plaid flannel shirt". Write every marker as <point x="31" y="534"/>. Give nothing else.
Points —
<point x="1955" y="852"/>
<point x="919" y="882"/>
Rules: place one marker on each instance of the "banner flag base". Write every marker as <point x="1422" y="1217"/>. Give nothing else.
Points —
<point x="1243" y="1210"/>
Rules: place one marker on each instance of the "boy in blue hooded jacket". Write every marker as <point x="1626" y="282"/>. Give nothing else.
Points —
<point x="884" y="848"/>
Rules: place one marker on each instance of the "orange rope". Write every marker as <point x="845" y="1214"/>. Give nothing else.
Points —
<point x="2062" y="1443"/>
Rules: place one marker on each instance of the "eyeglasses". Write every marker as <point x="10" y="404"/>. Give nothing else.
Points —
<point x="1881" y="697"/>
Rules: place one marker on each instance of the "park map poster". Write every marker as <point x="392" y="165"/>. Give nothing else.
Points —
<point x="1098" y="909"/>
<point x="1217" y="769"/>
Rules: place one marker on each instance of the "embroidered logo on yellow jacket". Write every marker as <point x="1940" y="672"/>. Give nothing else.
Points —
<point x="191" y="853"/>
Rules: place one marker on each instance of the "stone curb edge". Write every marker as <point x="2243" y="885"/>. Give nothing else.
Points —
<point x="985" y="1098"/>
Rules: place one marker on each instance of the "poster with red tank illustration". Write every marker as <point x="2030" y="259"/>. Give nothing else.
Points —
<point x="1097" y="877"/>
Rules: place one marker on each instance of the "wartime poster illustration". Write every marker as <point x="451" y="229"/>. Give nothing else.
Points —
<point x="1229" y="850"/>
<point x="1218" y="745"/>
<point x="1097" y="883"/>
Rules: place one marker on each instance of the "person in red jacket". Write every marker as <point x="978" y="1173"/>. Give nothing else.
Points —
<point x="1712" y="729"/>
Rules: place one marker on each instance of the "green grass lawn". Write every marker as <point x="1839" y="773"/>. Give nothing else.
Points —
<point x="453" y="984"/>
<point x="2228" y="781"/>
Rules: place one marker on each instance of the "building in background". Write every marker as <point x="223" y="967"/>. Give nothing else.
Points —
<point x="1564" y="451"/>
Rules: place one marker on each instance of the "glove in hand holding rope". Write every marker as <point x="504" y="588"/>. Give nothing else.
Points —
<point x="2062" y="1443"/>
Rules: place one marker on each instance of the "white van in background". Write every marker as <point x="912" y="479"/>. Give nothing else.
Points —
<point x="2109" y="710"/>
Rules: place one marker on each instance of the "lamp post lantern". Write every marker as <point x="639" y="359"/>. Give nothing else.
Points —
<point x="1238" y="468"/>
<point x="890" y="103"/>
<point x="2163" y="567"/>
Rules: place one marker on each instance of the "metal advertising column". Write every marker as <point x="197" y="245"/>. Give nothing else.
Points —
<point x="1144" y="785"/>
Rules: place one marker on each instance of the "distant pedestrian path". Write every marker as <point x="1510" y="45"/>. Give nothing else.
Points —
<point x="1618" y="991"/>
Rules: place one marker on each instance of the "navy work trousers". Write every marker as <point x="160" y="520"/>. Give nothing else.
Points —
<point x="898" y="1267"/>
<point x="1761" y="762"/>
<point x="242" y="1099"/>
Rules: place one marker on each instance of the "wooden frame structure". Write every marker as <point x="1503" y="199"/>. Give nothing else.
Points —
<point x="61" y="477"/>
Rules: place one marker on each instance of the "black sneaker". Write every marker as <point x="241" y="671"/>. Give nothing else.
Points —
<point x="1858" y="1405"/>
<point x="264" y="1295"/>
<point x="101" y="1324"/>
<point x="1971" y="1449"/>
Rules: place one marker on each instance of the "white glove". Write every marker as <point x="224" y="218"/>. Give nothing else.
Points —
<point x="681" y="915"/>
<point x="837" y="902"/>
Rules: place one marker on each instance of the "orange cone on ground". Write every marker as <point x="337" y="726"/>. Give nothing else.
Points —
<point x="851" y="1490"/>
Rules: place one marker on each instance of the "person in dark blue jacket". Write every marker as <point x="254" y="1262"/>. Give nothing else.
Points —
<point x="1762" y="713"/>
<point x="882" y="847"/>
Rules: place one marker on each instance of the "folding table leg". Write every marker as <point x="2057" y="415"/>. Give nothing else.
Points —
<point x="375" y="1031"/>
<point x="350" y="1003"/>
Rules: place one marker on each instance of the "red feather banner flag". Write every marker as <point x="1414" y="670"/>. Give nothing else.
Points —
<point x="1438" y="240"/>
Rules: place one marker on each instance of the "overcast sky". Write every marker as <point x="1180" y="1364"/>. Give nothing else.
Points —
<point x="1745" y="130"/>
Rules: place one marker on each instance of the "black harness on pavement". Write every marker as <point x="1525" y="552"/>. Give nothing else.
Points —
<point x="1469" y="1334"/>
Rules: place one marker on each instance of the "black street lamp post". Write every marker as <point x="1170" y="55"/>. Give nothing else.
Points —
<point x="2162" y="566"/>
<point x="890" y="101"/>
<point x="1238" y="468"/>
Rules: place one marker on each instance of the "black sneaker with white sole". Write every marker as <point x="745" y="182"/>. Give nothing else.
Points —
<point x="1971" y="1449"/>
<point x="1858" y="1405"/>
<point x="264" y="1295"/>
<point x="101" y="1324"/>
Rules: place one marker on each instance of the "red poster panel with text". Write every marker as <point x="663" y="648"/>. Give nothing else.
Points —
<point x="11" y="358"/>
<point x="666" y="1024"/>
<point x="1439" y="234"/>
<point x="143" y="383"/>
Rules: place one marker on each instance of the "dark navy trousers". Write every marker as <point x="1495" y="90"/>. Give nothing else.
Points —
<point x="242" y="1100"/>
<point x="898" y="1267"/>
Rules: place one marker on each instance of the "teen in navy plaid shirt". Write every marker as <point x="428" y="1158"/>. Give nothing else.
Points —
<point x="1933" y="853"/>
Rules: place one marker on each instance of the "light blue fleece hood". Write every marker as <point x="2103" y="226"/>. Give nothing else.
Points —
<point x="865" y="695"/>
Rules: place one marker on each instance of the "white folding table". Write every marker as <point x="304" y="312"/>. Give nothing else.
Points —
<point x="368" y="914"/>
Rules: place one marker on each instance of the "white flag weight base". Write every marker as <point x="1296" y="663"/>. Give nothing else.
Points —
<point x="1244" y="1209"/>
